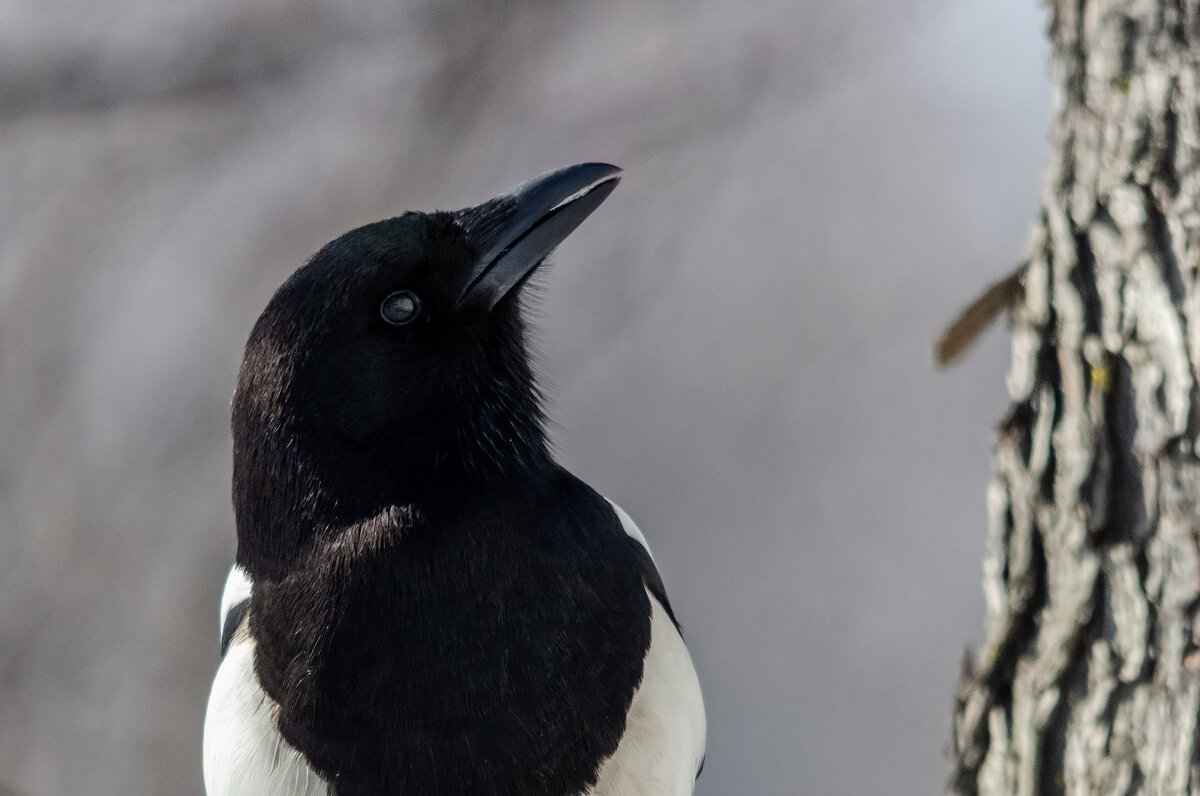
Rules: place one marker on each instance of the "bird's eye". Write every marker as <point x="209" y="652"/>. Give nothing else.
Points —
<point x="400" y="308"/>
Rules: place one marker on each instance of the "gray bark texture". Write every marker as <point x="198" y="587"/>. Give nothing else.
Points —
<point x="1086" y="682"/>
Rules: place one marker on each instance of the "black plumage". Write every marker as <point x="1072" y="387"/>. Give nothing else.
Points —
<point x="438" y="607"/>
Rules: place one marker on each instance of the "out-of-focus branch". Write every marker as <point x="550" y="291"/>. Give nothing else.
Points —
<point x="961" y="335"/>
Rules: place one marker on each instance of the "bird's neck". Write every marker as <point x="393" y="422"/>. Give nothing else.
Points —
<point x="289" y="504"/>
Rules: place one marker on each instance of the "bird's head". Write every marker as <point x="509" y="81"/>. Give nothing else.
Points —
<point x="394" y="360"/>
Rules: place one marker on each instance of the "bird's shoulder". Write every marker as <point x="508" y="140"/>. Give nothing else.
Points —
<point x="605" y="518"/>
<point x="645" y="560"/>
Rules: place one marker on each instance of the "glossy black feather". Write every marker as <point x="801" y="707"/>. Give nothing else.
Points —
<point x="474" y="648"/>
<point x="438" y="607"/>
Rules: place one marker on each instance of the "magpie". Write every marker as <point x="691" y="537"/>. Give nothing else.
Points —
<point x="424" y="601"/>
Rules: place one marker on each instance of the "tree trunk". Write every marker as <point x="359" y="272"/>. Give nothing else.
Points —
<point x="1087" y="680"/>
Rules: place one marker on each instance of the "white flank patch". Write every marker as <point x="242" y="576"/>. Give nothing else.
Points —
<point x="663" y="742"/>
<point x="244" y="754"/>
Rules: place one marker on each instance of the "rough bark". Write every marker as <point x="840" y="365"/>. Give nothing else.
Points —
<point x="1086" y="682"/>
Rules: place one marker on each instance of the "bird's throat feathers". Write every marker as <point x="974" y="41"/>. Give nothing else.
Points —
<point x="304" y="474"/>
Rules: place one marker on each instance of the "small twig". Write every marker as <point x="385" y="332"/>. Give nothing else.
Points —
<point x="961" y="335"/>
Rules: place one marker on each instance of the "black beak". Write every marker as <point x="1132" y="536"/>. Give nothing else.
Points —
<point x="515" y="232"/>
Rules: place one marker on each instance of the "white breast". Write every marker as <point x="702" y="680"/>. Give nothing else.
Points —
<point x="244" y="754"/>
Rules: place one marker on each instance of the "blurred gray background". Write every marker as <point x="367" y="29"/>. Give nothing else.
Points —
<point x="737" y="344"/>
